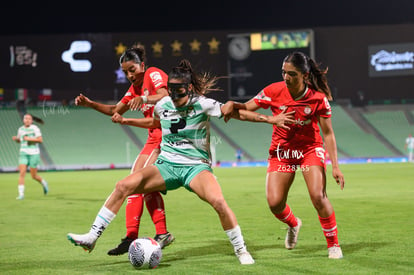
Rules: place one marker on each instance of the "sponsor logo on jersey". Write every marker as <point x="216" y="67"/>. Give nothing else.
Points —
<point x="307" y="110"/>
<point x="261" y="96"/>
<point x="156" y="79"/>
<point x="301" y="122"/>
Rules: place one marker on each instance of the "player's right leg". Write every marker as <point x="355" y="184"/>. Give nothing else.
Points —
<point x="146" y="180"/>
<point x="23" y="161"/>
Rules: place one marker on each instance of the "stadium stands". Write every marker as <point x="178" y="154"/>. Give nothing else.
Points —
<point x="9" y="149"/>
<point x="354" y="140"/>
<point x="81" y="138"/>
<point x="392" y="124"/>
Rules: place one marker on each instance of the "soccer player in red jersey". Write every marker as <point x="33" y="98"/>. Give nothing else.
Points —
<point x="298" y="146"/>
<point x="148" y="86"/>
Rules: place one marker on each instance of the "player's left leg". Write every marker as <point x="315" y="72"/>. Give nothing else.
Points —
<point x="315" y="179"/>
<point x="205" y="185"/>
<point x="34" y="161"/>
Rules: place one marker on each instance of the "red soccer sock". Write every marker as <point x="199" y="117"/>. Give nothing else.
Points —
<point x="133" y="213"/>
<point x="330" y="230"/>
<point x="155" y="206"/>
<point x="287" y="217"/>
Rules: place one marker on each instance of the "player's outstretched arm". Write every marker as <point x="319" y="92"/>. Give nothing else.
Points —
<point x="82" y="100"/>
<point x="230" y="109"/>
<point x="147" y="122"/>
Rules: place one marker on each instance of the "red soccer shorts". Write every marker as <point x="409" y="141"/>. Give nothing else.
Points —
<point x="150" y="145"/>
<point x="290" y="160"/>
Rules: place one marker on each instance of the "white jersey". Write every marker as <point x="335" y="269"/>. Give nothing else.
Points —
<point x="30" y="148"/>
<point x="186" y="130"/>
<point x="410" y="142"/>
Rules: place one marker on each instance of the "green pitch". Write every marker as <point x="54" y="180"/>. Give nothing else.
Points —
<point x="374" y="214"/>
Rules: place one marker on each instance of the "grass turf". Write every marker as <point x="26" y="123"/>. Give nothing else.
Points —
<point x="374" y="215"/>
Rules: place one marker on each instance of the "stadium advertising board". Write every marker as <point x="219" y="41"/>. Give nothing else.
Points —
<point x="59" y="67"/>
<point x="391" y="60"/>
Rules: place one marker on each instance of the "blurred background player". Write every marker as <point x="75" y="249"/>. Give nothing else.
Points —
<point x="409" y="146"/>
<point x="304" y="91"/>
<point x="29" y="136"/>
<point x="239" y="155"/>
<point x="148" y="86"/>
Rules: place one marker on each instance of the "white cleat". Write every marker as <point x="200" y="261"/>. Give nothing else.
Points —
<point x="85" y="241"/>
<point x="245" y="257"/>
<point x="335" y="252"/>
<point x="292" y="235"/>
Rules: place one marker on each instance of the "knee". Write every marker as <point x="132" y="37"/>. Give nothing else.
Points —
<point x="277" y="208"/>
<point x="276" y="205"/>
<point x="219" y="204"/>
<point x="319" y="201"/>
<point x="124" y="187"/>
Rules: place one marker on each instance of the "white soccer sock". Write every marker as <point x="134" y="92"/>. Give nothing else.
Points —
<point x="44" y="182"/>
<point x="20" y="188"/>
<point x="102" y="220"/>
<point x="236" y="239"/>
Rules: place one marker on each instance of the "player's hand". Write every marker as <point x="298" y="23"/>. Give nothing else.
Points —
<point x="135" y="103"/>
<point x="82" y="100"/>
<point x="227" y="110"/>
<point x="117" y="118"/>
<point x="339" y="177"/>
<point x="282" y="119"/>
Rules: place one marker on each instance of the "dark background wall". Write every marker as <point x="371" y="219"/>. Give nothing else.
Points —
<point x="344" y="49"/>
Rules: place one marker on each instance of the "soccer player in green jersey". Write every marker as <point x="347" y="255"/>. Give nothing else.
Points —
<point x="184" y="160"/>
<point x="29" y="137"/>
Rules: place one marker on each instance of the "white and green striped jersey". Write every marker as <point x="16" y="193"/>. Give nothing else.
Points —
<point x="186" y="130"/>
<point x="31" y="148"/>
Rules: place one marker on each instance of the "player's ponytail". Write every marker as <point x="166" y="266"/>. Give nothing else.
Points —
<point x="202" y="83"/>
<point x="318" y="79"/>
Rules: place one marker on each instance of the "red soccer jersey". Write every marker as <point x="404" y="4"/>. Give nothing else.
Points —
<point x="308" y="107"/>
<point x="154" y="79"/>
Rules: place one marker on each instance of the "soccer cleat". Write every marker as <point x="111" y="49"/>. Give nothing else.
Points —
<point x="292" y="235"/>
<point x="20" y="197"/>
<point x="45" y="188"/>
<point x="84" y="241"/>
<point x="335" y="252"/>
<point x="122" y="248"/>
<point x="164" y="239"/>
<point x="245" y="257"/>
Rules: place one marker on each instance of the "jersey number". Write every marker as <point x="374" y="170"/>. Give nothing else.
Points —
<point x="177" y="124"/>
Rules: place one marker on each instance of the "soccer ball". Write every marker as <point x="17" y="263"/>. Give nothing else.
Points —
<point x="144" y="253"/>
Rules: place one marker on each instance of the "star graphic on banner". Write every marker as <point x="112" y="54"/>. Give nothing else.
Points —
<point x="120" y="48"/>
<point x="213" y="44"/>
<point x="195" y="46"/>
<point x="176" y="47"/>
<point x="157" y="48"/>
